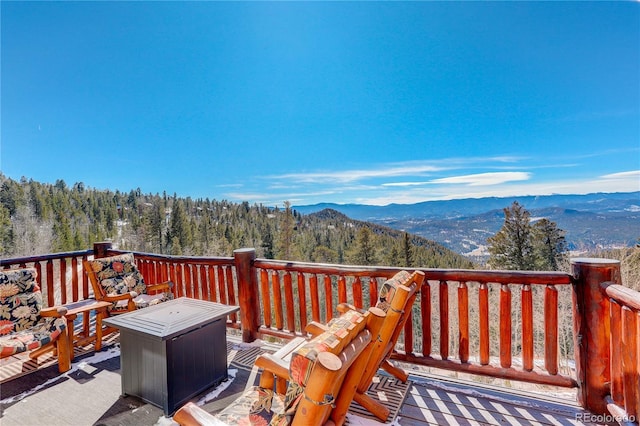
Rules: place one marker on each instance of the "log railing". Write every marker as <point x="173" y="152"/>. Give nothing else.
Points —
<point x="62" y="279"/>
<point x="623" y="401"/>
<point x="60" y="275"/>
<point x="494" y="323"/>
<point x="294" y="293"/>
<point x="481" y="307"/>
<point x="202" y="278"/>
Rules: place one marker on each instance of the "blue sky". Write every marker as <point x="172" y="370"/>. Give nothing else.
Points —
<point x="346" y="102"/>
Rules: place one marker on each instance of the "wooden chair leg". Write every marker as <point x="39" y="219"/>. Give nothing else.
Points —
<point x="100" y="314"/>
<point x="397" y="372"/>
<point x="371" y="405"/>
<point x="64" y="352"/>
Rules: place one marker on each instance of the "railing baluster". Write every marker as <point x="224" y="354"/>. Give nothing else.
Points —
<point x="74" y="279"/>
<point x="195" y="285"/>
<point x="50" y="290"/>
<point x="373" y="291"/>
<point x="315" y="297"/>
<point x="188" y="282"/>
<point x="231" y="294"/>
<point x="551" y="329"/>
<point x="143" y="267"/>
<point x="289" y="304"/>
<point x="222" y="291"/>
<point x="302" y="300"/>
<point x="342" y="289"/>
<point x="444" y="319"/>
<point x="408" y="331"/>
<point x="266" y="297"/>
<point x="617" y="386"/>
<point x="277" y="299"/>
<point x="211" y="283"/>
<point x="176" y="283"/>
<point x="425" y="309"/>
<point x="505" y="326"/>
<point x="164" y="271"/>
<point x="483" y="320"/>
<point x="85" y="280"/>
<point x="63" y="280"/>
<point x="357" y="293"/>
<point x="204" y="285"/>
<point x="463" y="321"/>
<point x="630" y="362"/>
<point x="328" y="291"/>
<point x="180" y="282"/>
<point x="527" y="327"/>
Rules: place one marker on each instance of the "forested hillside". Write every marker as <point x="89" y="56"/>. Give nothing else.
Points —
<point x="38" y="218"/>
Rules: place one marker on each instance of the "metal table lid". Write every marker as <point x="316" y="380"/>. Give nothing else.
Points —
<point x="169" y="319"/>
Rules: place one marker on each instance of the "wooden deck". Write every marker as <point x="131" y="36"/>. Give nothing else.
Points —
<point x="34" y="394"/>
<point x="435" y="401"/>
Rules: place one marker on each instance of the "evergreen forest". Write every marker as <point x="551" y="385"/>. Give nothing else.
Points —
<point x="38" y="218"/>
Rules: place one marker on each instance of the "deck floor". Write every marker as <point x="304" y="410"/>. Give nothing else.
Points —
<point x="35" y="394"/>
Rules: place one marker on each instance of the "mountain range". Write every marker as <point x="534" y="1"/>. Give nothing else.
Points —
<point x="591" y="221"/>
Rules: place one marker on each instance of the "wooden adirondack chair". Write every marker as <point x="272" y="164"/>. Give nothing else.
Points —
<point x="27" y="326"/>
<point x="396" y="298"/>
<point x="117" y="279"/>
<point x="322" y="376"/>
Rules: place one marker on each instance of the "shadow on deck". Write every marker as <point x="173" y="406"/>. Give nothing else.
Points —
<point x="89" y="394"/>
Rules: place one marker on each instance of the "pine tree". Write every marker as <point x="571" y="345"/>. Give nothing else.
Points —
<point x="179" y="233"/>
<point x="549" y="245"/>
<point x="511" y="248"/>
<point x="407" y="250"/>
<point x="285" y="242"/>
<point x="364" y="251"/>
<point x="267" y="242"/>
<point x="6" y="233"/>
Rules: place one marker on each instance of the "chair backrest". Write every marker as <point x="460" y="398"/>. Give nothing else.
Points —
<point x="114" y="275"/>
<point x="20" y="299"/>
<point x="318" y="369"/>
<point x="396" y="298"/>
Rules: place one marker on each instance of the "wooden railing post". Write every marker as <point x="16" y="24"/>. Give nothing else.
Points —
<point x="591" y="330"/>
<point x="100" y="249"/>
<point x="247" y="293"/>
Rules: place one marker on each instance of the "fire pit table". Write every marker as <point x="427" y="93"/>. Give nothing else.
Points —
<point x="172" y="351"/>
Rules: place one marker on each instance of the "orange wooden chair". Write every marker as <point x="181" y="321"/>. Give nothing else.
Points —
<point x="396" y="298"/>
<point x="117" y="279"/>
<point x="322" y="376"/>
<point x="25" y="324"/>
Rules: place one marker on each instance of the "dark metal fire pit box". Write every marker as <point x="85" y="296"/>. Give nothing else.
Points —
<point x="172" y="351"/>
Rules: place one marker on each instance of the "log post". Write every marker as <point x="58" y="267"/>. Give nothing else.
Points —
<point x="591" y="330"/>
<point x="247" y="293"/>
<point x="101" y="249"/>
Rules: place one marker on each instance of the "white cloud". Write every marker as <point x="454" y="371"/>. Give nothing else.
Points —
<point x="408" y="168"/>
<point x="482" y="179"/>
<point x="623" y="175"/>
<point x="406" y="183"/>
<point x="354" y="175"/>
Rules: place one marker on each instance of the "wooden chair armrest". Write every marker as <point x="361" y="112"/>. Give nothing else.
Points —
<point x="346" y="307"/>
<point x="118" y="297"/>
<point x="166" y="286"/>
<point x="53" y="311"/>
<point x="192" y="415"/>
<point x="315" y="328"/>
<point x="274" y="365"/>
